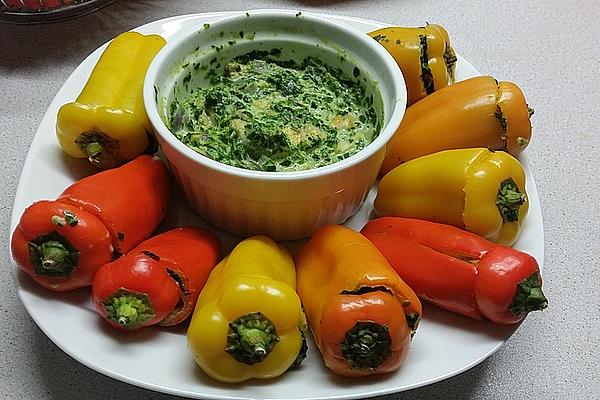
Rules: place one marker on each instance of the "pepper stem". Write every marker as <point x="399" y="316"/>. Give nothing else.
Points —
<point x="101" y="149"/>
<point x="129" y="309"/>
<point x="509" y="200"/>
<point x="530" y="111"/>
<point x="93" y="149"/>
<point x="367" y="345"/>
<point x="52" y="255"/>
<point x="251" y="338"/>
<point x="529" y="296"/>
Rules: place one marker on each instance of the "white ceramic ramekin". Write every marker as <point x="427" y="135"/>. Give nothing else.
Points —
<point x="283" y="205"/>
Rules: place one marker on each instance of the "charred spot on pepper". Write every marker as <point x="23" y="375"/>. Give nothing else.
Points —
<point x="426" y="74"/>
<point x="367" y="345"/>
<point x="413" y="320"/>
<point x="380" y="38"/>
<point x="251" y="338"/>
<point x="67" y="218"/>
<point x="367" y="289"/>
<point x="116" y="254"/>
<point x="180" y="281"/>
<point x="101" y="149"/>
<point x="301" y="353"/>
<point x="151" y="255"/>
<point x="52" y="255"/>
<point x="450" y="60"/>
<point x="120" y="236"/>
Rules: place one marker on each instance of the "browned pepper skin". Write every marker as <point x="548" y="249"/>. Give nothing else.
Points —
<point x="424" y="55"/>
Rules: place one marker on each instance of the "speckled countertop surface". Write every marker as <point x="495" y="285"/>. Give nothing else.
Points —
<point x="549" y="48"/>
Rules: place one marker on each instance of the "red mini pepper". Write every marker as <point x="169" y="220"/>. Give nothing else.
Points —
<point x="458" y="270"/>
<point x="131" y="200"/>
<point x="158" y="282"/>
<point x="62" y="243"/>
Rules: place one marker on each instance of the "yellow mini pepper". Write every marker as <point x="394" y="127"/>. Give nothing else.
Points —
<point x="107" y="123"/>
<point x="424" y="55"/>
<point x="476" y="112"/>
<point x="248" y="321"/>
<point x="476" y="189"/>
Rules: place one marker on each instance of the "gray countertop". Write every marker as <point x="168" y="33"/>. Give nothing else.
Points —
<point x="549" y="48"/>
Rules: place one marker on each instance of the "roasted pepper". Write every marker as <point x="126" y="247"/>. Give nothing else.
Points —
<point x="476" y="189"/>
<point x="458" y="270"/>
<point x="361" y="313"/>
<point x="248" y="321"/>
<point x="424" y="55"/>
<point x="131" y="200"/>
<point x="477" y="112"/>
<point x="107" y="123"/>
<point x="61" y="243"/>
<point x="158" y="282"/>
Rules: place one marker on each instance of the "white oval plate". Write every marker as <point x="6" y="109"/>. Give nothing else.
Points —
<point x="158" y="358"/>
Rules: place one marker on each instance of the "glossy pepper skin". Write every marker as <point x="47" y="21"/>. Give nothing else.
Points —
<point x="476" y="112"/>
<point x="424" y="55"/>
<point x="131" y="200"/>
<point x="158" y="282"/>
<point x="360" y="311"/>
<point x="248" y="322"/>
<point x="458" y="270"/>
<point x="476" y="189"/>
<point x="107" y="123"/>
<point x="61" y="243"/>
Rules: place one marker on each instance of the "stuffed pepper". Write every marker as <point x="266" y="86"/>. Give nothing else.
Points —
<point x="61" y="243"/>
<point x="458" y="270"/>
<point x="477" y="112"/>
<point x="248" y="322"/>
<point x="361" y="313"/>
<point x="107" y="123"/>
<point x="476" y="189"/>
<point x="158" y="282"/>
<point x="424" y="55"/>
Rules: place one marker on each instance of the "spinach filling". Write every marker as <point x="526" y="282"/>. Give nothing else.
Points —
<point x="262" y="114"/>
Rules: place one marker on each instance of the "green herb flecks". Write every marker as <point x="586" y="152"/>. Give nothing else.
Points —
<point x="265" y="114"/>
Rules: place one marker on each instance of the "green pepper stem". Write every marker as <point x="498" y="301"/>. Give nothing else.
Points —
<point x="251" y="338"/>
<point x="129" y="309"/>
<point x="367" y="345"/>
<point x="529" y="296"/>
<point x="101" y="149"/>
<point x="93" y="149"/>
<point x="52" y="255"/>
<point x="509" y="199"/>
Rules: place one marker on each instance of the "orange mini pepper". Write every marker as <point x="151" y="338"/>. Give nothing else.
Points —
<point x="476" y="112"/>
<point x="361" y="313"/>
